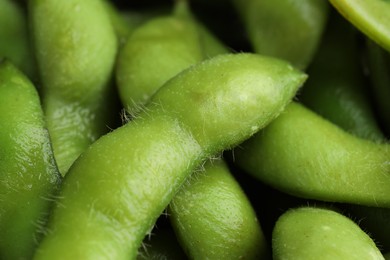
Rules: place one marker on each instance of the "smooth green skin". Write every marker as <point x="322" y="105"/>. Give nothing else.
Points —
<point x="319" y="233"/>
<point x="378" y="63"/>
<point x="76" y="47"/>
<point x="158" y="50"/>
<point x="28" y="174"/>
<point x="371" y="17"/>
<point x="285" y="29"/>
<point x="336" y="87"/>
<point x="117" y="189"/>
<point x="214" y="219"/>
<point x="14" y="43"/>
<point x="307" y="156"/>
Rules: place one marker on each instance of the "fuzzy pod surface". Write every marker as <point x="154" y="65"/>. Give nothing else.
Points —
<point x="214" y="219"/>
<point x="305" y="155"/>
<point x="233" y="229"/>
<point x="117" y="189"/>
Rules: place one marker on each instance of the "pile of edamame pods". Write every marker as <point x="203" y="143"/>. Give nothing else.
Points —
<point x="190" y="129"/>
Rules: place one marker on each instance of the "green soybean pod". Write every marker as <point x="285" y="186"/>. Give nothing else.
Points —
<point x="28" y="174"/>
<point x="121" y="184"/>
<point x="336" y="91"/>
<point x="320" y="233"/>
<point x="214" y="219"/>
<point x="75" y="46"/>
<point x="14" y="40"/>
<point x="305" y="155"/>
<point x="371" y="17"/>
<point x="239" y="240"/>
<point x="157" y="51"/>
<point x="285" y="29"/>
<point x="336" y="88"/>
<point x="163" y="46"/>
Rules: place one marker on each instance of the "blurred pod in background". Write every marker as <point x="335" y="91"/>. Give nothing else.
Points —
<point x="372" y="18"/>
<point x="158" y="50"/>
<point x="337" y="88"/>
<point x="14" y="38"/>
<point x="377" y="62"/>
<point x="75" y="46"/>
<point x="286" y="29"/>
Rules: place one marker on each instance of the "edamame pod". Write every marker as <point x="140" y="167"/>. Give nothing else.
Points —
<point x="232" y="243"/>
<point x="14" y="40"/>
<point x="157" y="51"/>
<point x="76" y="46"/>
<point x="214" y="219"/>
<point x="307" y="156"/>
<point x="320" y="233"/>
<point x="285" y="29"/>
<point x="116" y="190"/>
<point x="335" y="90"/>
<point x="370" y="17"/>
<point x="28" y="174"/>
<point x="163" y="46"/>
